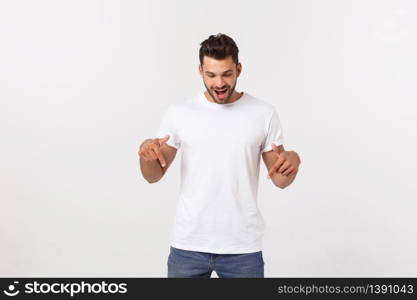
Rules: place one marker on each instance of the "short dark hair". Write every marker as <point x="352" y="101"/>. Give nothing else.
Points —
<point x="219" y="46"/>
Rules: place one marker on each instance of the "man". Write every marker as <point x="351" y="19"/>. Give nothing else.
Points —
<point x="222" y="134"/>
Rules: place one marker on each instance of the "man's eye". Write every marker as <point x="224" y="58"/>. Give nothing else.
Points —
<point x="226" y="75"/>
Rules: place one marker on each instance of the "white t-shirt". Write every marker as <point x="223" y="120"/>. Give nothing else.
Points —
<point x="221" y="146"/>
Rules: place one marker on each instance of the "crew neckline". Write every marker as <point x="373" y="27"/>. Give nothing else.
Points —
<point x="214" y="104"/>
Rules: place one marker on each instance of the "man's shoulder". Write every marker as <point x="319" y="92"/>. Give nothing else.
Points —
<point x="260" y="103"/>
<point x="179" y="104"/>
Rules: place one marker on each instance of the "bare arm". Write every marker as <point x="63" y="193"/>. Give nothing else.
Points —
<point x="282" y="165"/>
<point x="155" y="157"/>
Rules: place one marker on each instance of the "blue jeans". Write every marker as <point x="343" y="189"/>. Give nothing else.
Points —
<point x="186" y="263"/>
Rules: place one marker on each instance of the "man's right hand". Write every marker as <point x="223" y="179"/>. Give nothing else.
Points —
<point x="150" y="150"/>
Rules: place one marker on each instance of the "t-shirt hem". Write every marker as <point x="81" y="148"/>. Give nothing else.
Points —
<point x="217" y="250"/>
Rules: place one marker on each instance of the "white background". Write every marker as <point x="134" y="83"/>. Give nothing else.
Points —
<point x="83" y="83"/>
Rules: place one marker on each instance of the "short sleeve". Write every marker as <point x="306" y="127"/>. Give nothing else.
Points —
<point x="274" y="133"/>
<point x="168" y="127"/>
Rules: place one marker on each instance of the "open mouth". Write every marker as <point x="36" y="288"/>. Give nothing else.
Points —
<point x="221" y="93"/>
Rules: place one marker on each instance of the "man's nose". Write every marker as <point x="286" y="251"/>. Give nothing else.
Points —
<point x="220" y="82"/>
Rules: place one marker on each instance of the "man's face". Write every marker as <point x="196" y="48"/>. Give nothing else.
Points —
<point x="220" y="77"/>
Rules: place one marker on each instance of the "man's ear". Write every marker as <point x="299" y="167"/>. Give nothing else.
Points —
<point x="200" y="69"/>
<point x="238" y="69"/>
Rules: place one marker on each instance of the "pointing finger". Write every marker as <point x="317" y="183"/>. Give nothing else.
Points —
<point x="163" y="140"/>
<point x="160" y="156"/>
<point x="275" y="149"/>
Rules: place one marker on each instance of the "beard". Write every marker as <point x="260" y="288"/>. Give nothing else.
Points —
<point x="214" y="96"/>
